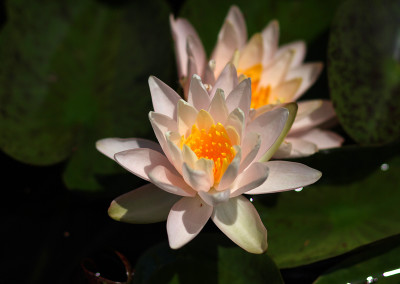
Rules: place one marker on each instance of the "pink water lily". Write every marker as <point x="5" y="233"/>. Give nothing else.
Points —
<point x="206" y="157"/>
<point x="278" y="75"/>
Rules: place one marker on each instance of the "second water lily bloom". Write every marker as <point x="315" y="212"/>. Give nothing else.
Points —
<point x="278" y="75"/>
<point x="206" y="157"/>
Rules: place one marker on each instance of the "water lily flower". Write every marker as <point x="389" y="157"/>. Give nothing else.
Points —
<point x="278" y="75"/>
<point x="206" y="157"/>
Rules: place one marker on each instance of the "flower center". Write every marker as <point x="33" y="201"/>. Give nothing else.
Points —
<point x="261" y="95"/>
<point x="213" y="144"/>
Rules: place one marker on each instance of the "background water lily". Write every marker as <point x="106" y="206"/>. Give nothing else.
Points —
<point x="207" y="157"/>
<point x="278" y="75"/>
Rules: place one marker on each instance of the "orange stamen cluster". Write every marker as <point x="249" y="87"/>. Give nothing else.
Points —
<point x="260" y="95"/>
<point x="213" y="144"/>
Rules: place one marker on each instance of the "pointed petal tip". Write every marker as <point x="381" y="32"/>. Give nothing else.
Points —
<point x="115" y="211"/>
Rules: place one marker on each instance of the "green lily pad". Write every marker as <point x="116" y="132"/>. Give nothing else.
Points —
<point x="305" y="20"/>
<point x="76" y="72"/>
<point x="209" y="258"/>
<point x="378" y="262"/>
<point x="334" y="217"/>
<point x="364" y="69"/>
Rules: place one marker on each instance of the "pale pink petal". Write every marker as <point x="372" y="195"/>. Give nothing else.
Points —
<point x="236" y="119"/>
<point x="141" y="160"/>
<point x="250" y="147"/>
<point x="198" y="95"/>
<point x="218" y="109"/>
<point x="232" y="171"/>
<point x="175" y="153"/>
<point x="111" y="146"/>
<point x="308" y="72"/>
<point x="186" y="219"/>
<point x="191" y="71"/>
<point x="207" y="166"/>
<point x="319" y="116"/>
<point x="285" y="91"/>
<point x="144" y="205"/>
<point x="213" y="197"/>
<point x="162" y="124"/>
<point x="299" y="148"/>
<point x="306" y="108"/>
<point x="269" y="125"/>
<point x="187" y="116"/>
<point x="170" y="180"/>
<point x="228" y="41"/>
<point x="204" y="120"/>
<point x="181" y="30"/>
<point x="239" y="220"/>
<point x="163" y="97"/>
<point x="270" y="36"/>
<point x="235" y="16"/>
<point x="195" y="50"/>
<point x="299" y="49"/>
<point x="199" y="180"/>
<point x="284" y="150"/>
<point x="189" y="157"/>
<point x="240" y="97"/>
<point x="252" y="53"/>
<point x="208" y="76"/>
<point x="324" y="139"/>
<point x="252" y="177"/>
<point x="286" y="176"/>
<point x="277" y="70"/>
<point x="227" y="81"/>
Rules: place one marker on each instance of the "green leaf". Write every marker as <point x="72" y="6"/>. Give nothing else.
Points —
<point x="378" y="261"/>
<point x="306" y="19"/>
<point x="76" y="72"/>
<point x="352" y="205"/>
<point x="206" y="259"/>
<point x="364" y="69"/>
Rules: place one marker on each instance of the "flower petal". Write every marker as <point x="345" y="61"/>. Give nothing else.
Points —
<point x="181" y="30"/>
<point x="204" y="120"/>
<point x="198" y="95"/>
<point x="270" y="36"/>
<point x="286" y="176"/>
<point x="252" y="53"/>
<point x="199" y="180"/>
<point x="285" y="91"/>
<point x="235" y="16"/>
<point x="144" y="205"/>
<point x="174" y="151"/>
<point x="163" y="97"/>
<point x="227" y="81"/>
<point x="321" y="115"/>
<point x="252" y="177"/>
<point x="111" y="146"/>
<point x="276" y="71"/>
<point x="299" y="148"/>
<point x="240" y="97"/>
<point x="213" y="197"/>
<point x="187" y="116"/>
<point x="324" y="139"/>
<point x="306" y="108"/>
<point x="141" y="160"/>
<point x="186" y="219"/>
<point x="284" y="150"/>
<point x="250" y="147"/>
<point x="162" y="124"/>
<point x="308" y="72"/>
<point x="232" y="171"/>
<point x="299" y="49"/>
<point x="239" y="220"/>
<point x="236" y="120"/>
<point x="218" y="109"/>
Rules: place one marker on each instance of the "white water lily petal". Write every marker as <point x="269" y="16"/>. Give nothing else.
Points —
<point x="320" y="115"/>
<point x="300" y="148"/>
<point x="191" y="71"/>
<point x="240" y="97"/>
<point x="227" y="81"/>
<point x="207" y="166"/>
<point x="309" y="73"/>
<point x="251" y="178"/>
<point x="181" y="30"/>
<point x="276" y="71"/>
<point x="232" y="171"/>
<point x="269" y="125"/>
<point x="198" y="95"/>
<point x="284" y="150"/>
<point x="306" y="108"/>
<point x="250" y="147"/>
<point x="239" y="220"/>
<point x="235" y="16"/>
<point x="213" y="197"/>
<point x="196" y="51"/>
<point x="270" y="36"/>
<point x="189" y="157"/>
<point x="141" y="160"/>
<point x="186" y="219"/>
<point x="111" y="146"/>
<point x="218" y="109"/>
<point x="252" y="53"/>
<point x="175" y="152"/>
<point x="285" y="91"/>
<point x="324" y="139"/>
<point x="204" y="120"/>
<point x="163" y="97"/>
<point x="187" y="116"/>
<point x="170" y="181"/>
<point x="144" y="205"/>
<point x="236" y="119"/>
<point x="299" y="49"/>
<point x="286" y="176"/>
<point x="199" y="180"/>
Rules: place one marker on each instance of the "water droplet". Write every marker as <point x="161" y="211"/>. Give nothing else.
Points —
<point x="384" y="167"/>
<point x="97" y="274"/>
<point x="251" y="199"/>
<point x="392" y="272"/>
<point x="298" y="189"/>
